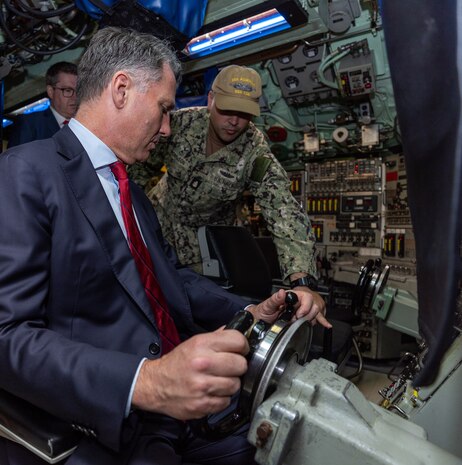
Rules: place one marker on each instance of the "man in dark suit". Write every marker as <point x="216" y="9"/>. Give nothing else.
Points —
<point x="61" y="81"/>
<point x="78" y="336"/>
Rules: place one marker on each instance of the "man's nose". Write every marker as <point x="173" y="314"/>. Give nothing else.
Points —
<point x="234" y="120"/>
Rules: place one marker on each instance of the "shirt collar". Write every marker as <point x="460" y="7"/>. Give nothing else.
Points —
<point x="59" y="118"/>
<point x="99" y="153"/>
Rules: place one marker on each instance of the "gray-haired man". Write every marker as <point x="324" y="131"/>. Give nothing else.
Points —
<point x="82" y="327"/>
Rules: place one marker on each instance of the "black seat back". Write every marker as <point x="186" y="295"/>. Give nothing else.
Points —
<point x="233" y="259"/>
<point x="266" y="245"/>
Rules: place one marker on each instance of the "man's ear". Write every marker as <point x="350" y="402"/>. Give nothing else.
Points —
<point x="209" y="100"/>
<point x="121" y="83"/>
<point x="50" y="91"/>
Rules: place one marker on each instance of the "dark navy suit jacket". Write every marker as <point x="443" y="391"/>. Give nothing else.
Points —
<point x="74" y="318"/>
<point x="34" y="126"/>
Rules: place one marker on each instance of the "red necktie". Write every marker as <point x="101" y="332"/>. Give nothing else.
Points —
<point x="164" y="321"/>
<point x="66" y="121"/>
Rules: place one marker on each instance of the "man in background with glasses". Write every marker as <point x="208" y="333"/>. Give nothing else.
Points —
<point x="61" y="81"/>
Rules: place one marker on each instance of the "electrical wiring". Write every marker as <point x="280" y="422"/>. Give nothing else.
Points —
<point x="16" y="11"/>
<point x="329" y="61"/>
<point x="45" y="14"/>
<point x="286" y="124"/>
<point x="22" y="46"/>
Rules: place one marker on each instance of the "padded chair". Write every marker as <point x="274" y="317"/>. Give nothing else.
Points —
<point x="231" y="257"/>
<point x="266" y="245"/>
<point x="241" y="263"/>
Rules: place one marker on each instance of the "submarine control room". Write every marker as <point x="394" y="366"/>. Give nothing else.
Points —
<point x="229" y="232"/>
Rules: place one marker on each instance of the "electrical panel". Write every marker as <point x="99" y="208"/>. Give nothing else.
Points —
<point x="297" y="186"/>
<point x="399" y="242"/>
<point x="297" y="75"/>
<point x="360" y="204"/>
<point x="377" y="341"/>
<point x="358" y="210"/>
<point x="356" y="72"/>
<point x="344" y="201"/>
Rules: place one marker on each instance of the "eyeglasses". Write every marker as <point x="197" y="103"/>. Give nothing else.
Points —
<point x="67" y="91"/>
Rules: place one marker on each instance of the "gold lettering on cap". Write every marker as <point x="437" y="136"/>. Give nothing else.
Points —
<point x="235" y="79"/>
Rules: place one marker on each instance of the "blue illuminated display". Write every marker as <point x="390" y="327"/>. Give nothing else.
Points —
<point x="41" y="105"/>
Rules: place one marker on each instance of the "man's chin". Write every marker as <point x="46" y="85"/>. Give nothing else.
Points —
<point x="145" y="155"/>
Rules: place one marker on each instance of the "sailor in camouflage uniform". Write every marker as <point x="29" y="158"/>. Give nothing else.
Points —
<point x="209" y="170"/>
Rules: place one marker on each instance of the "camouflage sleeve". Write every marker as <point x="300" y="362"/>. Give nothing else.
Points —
<point x="289" y="226"/>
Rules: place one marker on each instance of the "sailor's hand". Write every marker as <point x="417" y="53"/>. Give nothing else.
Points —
<point x="310" y="304"/>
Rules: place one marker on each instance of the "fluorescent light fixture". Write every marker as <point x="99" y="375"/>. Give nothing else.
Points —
<point x="241" y="32"/>
<point x="39" y="105"/>
<point x="6" y="122"/>
<point x="250" y="26"/>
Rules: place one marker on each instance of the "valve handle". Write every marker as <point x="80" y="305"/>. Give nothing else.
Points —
<point x="242" y="322"/>
<point x="291" y="301"/>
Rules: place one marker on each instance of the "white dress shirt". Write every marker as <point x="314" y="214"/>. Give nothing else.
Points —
<point x="101" y="156"/>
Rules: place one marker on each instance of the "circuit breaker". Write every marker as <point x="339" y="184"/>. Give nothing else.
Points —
<point x="356" y="72"/>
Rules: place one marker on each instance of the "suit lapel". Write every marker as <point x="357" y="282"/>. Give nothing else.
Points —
<point x="94" y="204"/>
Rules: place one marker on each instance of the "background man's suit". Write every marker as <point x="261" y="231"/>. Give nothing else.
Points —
<point x="74" y="317"/>
<point x="33" y="126"/>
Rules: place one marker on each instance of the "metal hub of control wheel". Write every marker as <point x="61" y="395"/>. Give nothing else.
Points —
<point x="283" y="342"/>
<point x="273" y="348"/>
